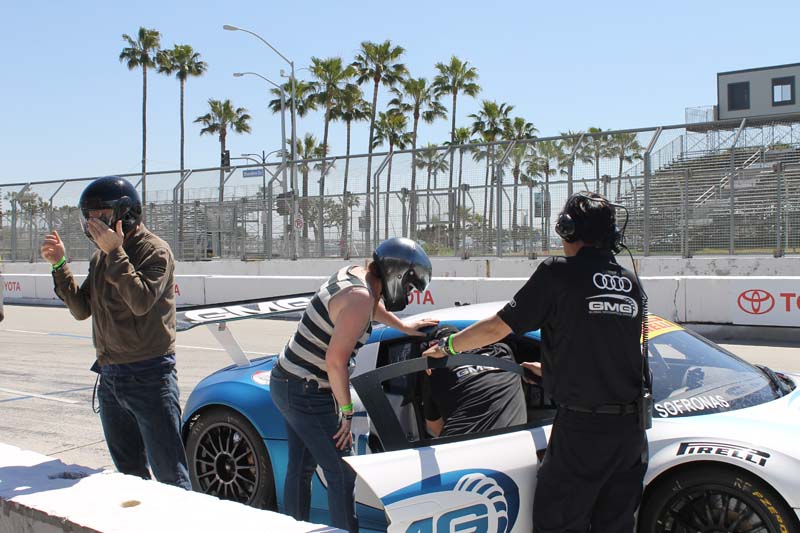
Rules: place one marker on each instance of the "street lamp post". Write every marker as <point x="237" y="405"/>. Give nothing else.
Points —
<point x="294" y="129"/>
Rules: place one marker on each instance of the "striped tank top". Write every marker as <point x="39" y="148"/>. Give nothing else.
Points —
<point x="304" y="354"/>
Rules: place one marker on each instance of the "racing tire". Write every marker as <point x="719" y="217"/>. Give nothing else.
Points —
<point x="228" y="459"/>
<point x="714" y="498"/>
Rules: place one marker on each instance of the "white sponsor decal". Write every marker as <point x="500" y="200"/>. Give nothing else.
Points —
<point x="751" y="455"/>
<point x="611" y="282"/>
<point x="201" y="316"/>
<point x="613" y="304"/>
<point x="689" y="405"/>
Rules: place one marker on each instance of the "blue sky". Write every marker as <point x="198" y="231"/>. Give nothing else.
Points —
<point x="72" y="109"/>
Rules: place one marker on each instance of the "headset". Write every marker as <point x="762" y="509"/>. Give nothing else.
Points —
<point x="567" y="227"/>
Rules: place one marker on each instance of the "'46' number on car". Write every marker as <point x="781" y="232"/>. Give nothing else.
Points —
<point x="474" y="518"/>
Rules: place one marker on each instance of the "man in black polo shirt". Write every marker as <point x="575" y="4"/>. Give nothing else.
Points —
<point x="589" y="310"/>
<point x="473" y="399"/>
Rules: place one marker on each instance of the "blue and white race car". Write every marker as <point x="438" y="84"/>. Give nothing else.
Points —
<point x="724" y="447"/>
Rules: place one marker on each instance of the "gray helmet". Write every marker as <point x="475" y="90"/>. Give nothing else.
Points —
<point x="403" y="265"/>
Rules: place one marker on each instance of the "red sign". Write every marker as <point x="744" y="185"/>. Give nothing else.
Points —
<point x="177" y="290"/>
<point x="12" y="286"/>
<point x="756" y="301"/>
<point x="420" y="298"/>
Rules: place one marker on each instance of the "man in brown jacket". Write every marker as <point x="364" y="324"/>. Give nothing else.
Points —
<point x="129" y="293"/>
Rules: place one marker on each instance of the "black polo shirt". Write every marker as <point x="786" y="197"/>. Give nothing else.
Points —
<point x="474" y="399"/>
<point x="588" y="308"/>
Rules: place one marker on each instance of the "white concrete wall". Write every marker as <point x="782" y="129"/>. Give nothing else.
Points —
<point x="39" y="494"/>
<point x="734" y="300"/>
<point x="494" y="267"/>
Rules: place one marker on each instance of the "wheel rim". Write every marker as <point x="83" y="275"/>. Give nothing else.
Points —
<point x="226" y="465"/>
<point x="712" y="509"/>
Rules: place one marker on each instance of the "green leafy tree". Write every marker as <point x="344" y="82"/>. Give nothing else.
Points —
<point x="141" y="53"/>
<point x="544" y="163"/>
<point x="518" y="129"/>
<point x="330" y="78"/>
<point x="596" y="148"/>
<point x="568" y="144"/>
<point x="221" y="118"/>
<point x="454" y="78"/>
<point x="431" y="160"/>
<point x="391" y="129"/>
<point x="378" y="63"/>
<point x="417" y="98"/>
<point x="490" y="122"/>
<point x="626" y="148"/>
<point x="349" y="107"/>
<point x="184" y="62"/>
<point x="307" y="149"/>
<point x="462" y="136"/>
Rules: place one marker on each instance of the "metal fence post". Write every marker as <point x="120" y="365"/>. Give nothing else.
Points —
<point x="571" y="164"/>
<point x="177" y="247"/>
<point x="647" y="172"/>
<point x="779" y="251"/>
<point x="499" y="178"/>
<point x="52" y="209"/>
<point x="731" y="180"/>
<point x="376" y="193"/>
<point x="686" y="252"/>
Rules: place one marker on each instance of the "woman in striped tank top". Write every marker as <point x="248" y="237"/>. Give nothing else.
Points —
<point x="310" y="383"/>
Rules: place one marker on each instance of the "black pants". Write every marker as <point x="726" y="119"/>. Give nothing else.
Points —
<point x="591" y="476"/>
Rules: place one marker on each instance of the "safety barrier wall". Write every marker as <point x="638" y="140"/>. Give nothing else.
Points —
<point x="39" y="494"/>
<point x="725" y="300"/>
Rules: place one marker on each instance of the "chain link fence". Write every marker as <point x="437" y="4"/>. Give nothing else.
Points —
<point x="725" y="189"/>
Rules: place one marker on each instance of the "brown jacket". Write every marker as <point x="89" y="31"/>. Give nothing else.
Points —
<point x="130" y="295"/>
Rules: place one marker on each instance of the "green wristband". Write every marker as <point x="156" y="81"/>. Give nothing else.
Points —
<point x="58" y="265"/>
<point x="450" y="344"/>
<point x="347" y="408"/>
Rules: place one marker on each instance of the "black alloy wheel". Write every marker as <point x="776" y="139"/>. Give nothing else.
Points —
<point x="227" y="459"/>
<point x="709" y="499"/>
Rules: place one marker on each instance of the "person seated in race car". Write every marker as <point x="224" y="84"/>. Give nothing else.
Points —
<point x="472" y="399"/>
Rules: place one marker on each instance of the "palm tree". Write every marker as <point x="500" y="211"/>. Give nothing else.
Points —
<point x="222" y="117"/>
<point x="391" y="129"/>
<point x="597" y="147"/>
<point x="184" y="62"/>
<point x="305" y="99"/>
<point x="142" y="53"/>
<point x="378" y="63"/>
<point x="330" y="78"/>
<point x="454" y="78"/>
<point x="568" y="144"/>
<point x="430" y="159"/>
<point x="518" y="130"/>
<point x="350" y="107"/>
<point x="416" y="97"/>
<point x="627" y="148"/>
<point x="306" y="149"/>
<point x="544" y="154"/>
<point x="490" y="122"/>
<point x="462" y="137"/>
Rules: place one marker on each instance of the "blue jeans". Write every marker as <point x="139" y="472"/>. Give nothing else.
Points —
<point x="311" y="422"/>
<point x="141" y="420"/>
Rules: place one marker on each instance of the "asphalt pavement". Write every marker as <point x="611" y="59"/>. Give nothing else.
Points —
<point x="46" y="385"/>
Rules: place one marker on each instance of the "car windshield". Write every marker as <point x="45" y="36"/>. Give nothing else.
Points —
<point x="692" y="376"/>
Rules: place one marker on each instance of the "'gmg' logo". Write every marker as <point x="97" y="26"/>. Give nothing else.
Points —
<point x="756" y="301"/>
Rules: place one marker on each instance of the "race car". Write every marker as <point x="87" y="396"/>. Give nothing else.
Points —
<point x="724" y="446"/>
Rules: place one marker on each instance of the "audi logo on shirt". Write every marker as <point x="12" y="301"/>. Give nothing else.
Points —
<point x="611" y="282"/>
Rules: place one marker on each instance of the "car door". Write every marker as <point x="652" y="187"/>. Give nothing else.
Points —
<point x="481" y="483"/>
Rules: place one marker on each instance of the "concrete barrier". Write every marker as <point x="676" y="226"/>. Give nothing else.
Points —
<point x="725" y="300"/>
<point x="39" y="494"/>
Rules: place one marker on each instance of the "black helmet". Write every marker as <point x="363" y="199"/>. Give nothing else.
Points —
<point x="402" y="265"/>
<point x="112" y="192"/>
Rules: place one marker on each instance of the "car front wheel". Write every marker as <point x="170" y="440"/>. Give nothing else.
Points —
<point x="714" y="499"/>
<point x="227" y="459"/>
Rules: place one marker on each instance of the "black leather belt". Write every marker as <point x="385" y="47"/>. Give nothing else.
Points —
<point x="280" y="368"/>
<point x="604" y="409"/>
